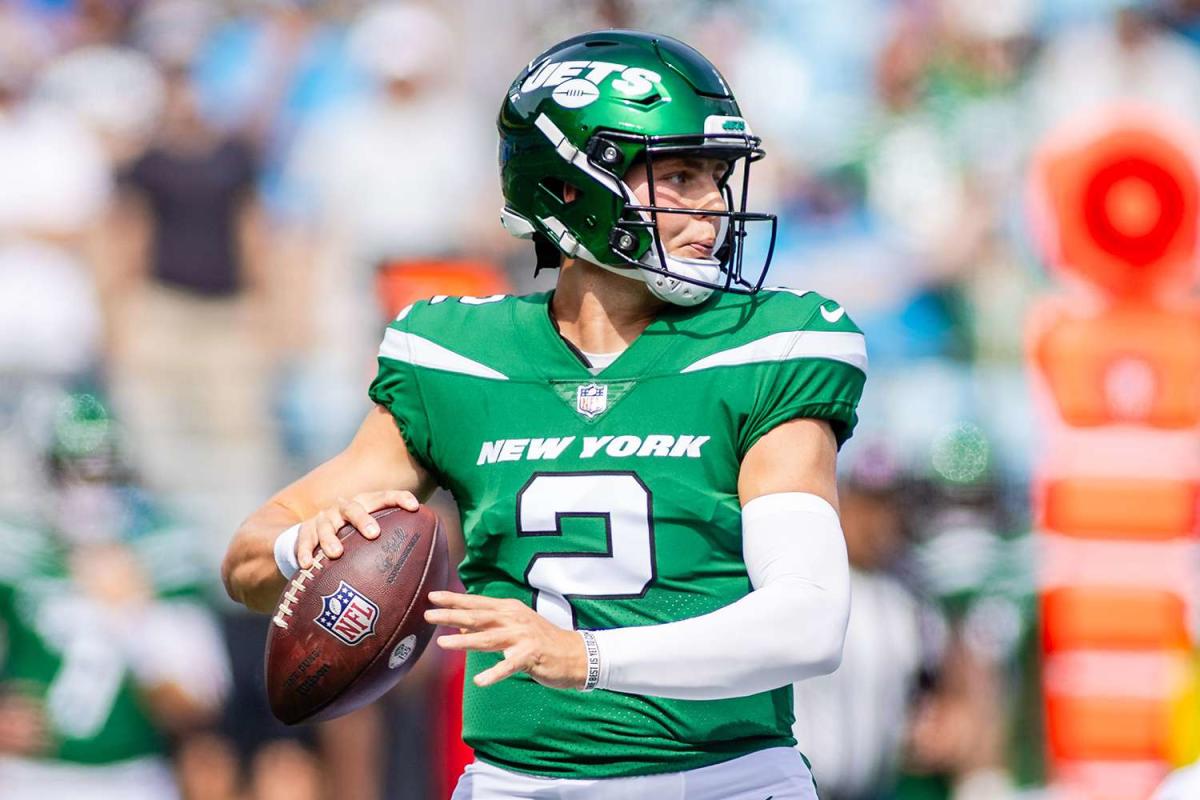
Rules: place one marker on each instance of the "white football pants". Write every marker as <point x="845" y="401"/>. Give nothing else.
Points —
<point x="778" y="773"/>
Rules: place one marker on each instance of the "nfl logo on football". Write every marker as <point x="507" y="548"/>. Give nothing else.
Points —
<point x="348" y="614"/>
<point x="591" y="399"/>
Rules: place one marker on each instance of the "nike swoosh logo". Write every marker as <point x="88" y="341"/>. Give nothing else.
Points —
<point x="832" y="316"/>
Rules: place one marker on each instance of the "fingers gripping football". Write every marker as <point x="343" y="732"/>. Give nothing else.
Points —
<point x="530" y="643"/>
<point x="320" y="532"/>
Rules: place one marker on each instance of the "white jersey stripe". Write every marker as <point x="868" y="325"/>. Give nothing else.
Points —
<point x="412" y="349"/>
<point x="846" y="346"/>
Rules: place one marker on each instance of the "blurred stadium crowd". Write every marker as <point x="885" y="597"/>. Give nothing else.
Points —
<point x="209" y="207"/>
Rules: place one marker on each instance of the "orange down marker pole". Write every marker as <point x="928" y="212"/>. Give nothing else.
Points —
<point x="1115" y="363"/>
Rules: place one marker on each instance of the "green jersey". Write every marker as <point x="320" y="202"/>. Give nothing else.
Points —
<point x="54" y="643"/>
<point x="610" y="499"/>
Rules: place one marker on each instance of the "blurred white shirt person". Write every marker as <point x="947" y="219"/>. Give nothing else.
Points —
<point x="56" y="176"/>
<point x="852" y="723"/>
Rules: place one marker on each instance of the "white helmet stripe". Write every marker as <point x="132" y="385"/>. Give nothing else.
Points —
<point x="578" y="158"/>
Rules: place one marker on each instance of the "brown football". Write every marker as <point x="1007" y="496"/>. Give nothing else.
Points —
<point x="347" y="629"/>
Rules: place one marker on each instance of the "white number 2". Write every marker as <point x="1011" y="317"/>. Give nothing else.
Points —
<point x="81" y="695"/>
<point x="624" y="571"/>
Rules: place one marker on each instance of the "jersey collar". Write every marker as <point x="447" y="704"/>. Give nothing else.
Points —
<point x="558" y="359"/>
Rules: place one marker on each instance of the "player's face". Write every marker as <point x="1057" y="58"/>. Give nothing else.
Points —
<point x="683" y="182"/>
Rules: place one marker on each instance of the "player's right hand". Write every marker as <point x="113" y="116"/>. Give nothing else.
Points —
<point x="320" y="532"/>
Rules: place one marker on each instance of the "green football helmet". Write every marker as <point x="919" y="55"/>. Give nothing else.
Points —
<point x="85" y="443"/>
<point x="586" y="110"/>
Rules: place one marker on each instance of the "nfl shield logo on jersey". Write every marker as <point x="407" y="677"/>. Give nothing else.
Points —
<point x="591" y="399"/>
<point x="348" y="614"/>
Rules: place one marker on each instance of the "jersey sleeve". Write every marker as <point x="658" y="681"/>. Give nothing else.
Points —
<point x="820" y="372"/>
<point x="396" y="388"/>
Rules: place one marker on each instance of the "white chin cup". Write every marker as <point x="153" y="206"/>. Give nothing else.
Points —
<point x="665" y="287"/>
<point x="681" y="292"/>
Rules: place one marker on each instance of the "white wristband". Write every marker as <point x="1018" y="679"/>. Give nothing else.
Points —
<point x="593" y="661"/>
<point x="285" y="551"/>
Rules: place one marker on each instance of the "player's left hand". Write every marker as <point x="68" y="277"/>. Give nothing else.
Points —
<point x="24" y="730"/>
<point x="551" y="655"/>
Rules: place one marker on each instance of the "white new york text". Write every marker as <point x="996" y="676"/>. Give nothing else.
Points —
<point x="550" y="448"/>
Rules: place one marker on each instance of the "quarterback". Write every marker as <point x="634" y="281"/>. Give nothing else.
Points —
<point x="644" y="457"/>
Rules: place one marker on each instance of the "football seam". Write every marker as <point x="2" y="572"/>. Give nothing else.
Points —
<point x="297" y="585"/>
<point x="437" y="529"/>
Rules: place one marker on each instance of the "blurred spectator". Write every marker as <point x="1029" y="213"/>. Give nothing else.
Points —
<point x="195" y="222"/>
<point x="116" y="91"/>
<point x="263" y="73"/>
<point x="174" y="31"/>
<point x="286" y="771"/>
<point x="405" y="168"/>
<point x="913" y="193"/>
<point x="399" y="173"/>
<point x="45" y="292"/>
<point x="1129" y="57"/>
<point x="56" y="186"/>
<point x="1182" y="16"/>
<point x="190" y="367"/>
<point x="56" y="176"/>
<point x="109" y="647"/>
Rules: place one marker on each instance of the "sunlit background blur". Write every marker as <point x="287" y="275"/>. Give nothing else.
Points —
<point x="209" y="210"/>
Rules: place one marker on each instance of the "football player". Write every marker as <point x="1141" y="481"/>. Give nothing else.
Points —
<point x="644" y="457"/>
<point x="108" y="646"/>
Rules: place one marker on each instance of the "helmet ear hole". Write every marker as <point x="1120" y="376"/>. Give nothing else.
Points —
<point x="558" y="194"/>
<point x="560" y="190"/>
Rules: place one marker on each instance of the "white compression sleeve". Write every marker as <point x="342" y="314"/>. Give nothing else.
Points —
<point x="790" y="627"/>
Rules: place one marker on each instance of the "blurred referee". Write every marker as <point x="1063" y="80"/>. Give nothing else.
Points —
<point x="852" y="724"/>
